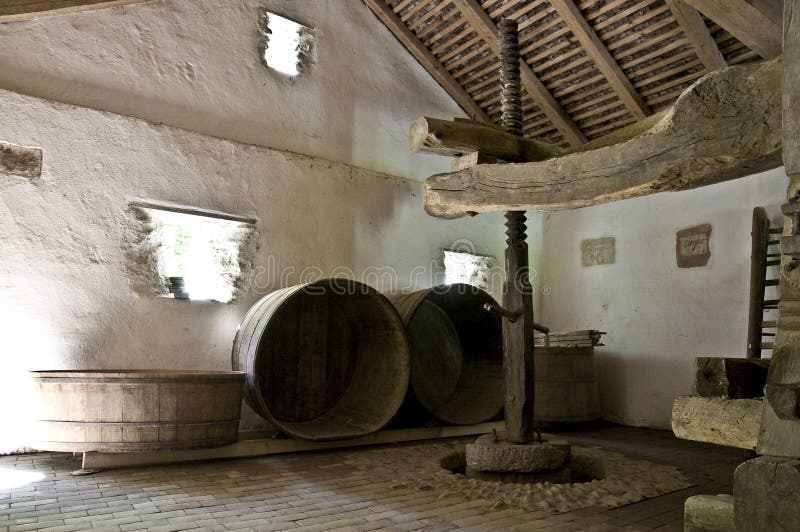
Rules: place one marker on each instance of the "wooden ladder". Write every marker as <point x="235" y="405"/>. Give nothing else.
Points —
<point x="766" y="252"/>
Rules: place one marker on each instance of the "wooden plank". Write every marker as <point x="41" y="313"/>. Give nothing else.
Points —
<point x="744" y="21"/>
<point x="693" y="26"/>
<point x="459" y="137"/>
<point x="758" y="270"/>
<point x="705" y="138"/>
<point x="426" y="59"/>
<point x="18" y="10"/>
<point x="481" y="23"/>
<point x="595" y="48"/>
<point x="194" y="211"/>
<point x="263" y="447"/>
<point x="729" y="422"/>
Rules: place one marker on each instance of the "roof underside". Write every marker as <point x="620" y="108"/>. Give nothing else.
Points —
<point x="603" y="64"/>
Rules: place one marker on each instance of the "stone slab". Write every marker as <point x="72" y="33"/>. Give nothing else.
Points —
<point x="767" y="494"/>
<point x="708" y="513"/>
<point x="562" y="475"/>
<point x="730" y="422"/>
<point x="490" y="453"/>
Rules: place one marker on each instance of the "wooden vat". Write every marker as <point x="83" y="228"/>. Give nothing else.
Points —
<point x="456" y="350"/>
<point x="136" y="410"/>
<point x="325" y="360"/>
<point x="566" y="386"/>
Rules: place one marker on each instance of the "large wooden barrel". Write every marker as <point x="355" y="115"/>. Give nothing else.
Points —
<point x="326" y="360"/>
<point x="456" y="352"/>
<point x="566" y="386"/>
<point x="135" y="410"/>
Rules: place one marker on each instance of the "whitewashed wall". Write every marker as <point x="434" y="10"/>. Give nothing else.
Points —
<point x="658" y="316"/>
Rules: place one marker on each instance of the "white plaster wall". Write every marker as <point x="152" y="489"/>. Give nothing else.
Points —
<point x="658" y="316"/>
<point x="193" y="64"/>
<point x="65" y="298"/>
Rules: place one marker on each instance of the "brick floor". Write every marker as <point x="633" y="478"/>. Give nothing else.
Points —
<point x="318" y="491"/>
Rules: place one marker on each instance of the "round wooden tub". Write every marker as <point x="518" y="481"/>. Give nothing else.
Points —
<point x="136" y="410"/>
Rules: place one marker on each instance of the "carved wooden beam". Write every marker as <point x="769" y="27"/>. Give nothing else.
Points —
<point x="459" y="137"/>
<point x="384" y="12"/>
<point x="725" y="126"/>
<point x="750" y="22"/>
<point x="30" y="9"/>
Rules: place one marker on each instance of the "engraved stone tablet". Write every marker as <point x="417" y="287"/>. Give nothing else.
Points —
<point x="692" y="247"/>
<point x="596" y="251"/>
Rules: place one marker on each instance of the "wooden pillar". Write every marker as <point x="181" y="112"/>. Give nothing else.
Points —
<point x="517" y="293"/>
<point x="780" y="422"/>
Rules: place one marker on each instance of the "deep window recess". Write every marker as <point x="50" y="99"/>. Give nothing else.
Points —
<point x="286" y="46"/>
<point x="197" y="252"/>
<point x="467" y="268"/>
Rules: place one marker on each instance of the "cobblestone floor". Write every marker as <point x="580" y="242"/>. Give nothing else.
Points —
<point x="325" y="491"/>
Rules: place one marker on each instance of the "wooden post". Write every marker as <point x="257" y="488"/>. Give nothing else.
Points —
<point x="780" y="422"/>
<point x="517" y="334"/>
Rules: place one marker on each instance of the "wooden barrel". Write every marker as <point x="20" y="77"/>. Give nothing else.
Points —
<point x="566" y="386"/>
<point x="136" y="410"/>
<point x="456" y="350"/>
<point x="326" y="360"/>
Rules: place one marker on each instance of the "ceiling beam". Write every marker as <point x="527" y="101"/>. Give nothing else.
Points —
<point x="742" y="19"/>
<point x="17" y="10"/>
<point x="597" y="51"/>
<point x="696" y="31"/>
<point x="477" y="18"/>
<point x="427" y="59"/>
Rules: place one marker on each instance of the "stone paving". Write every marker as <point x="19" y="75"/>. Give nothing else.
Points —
<point x="328" y="491"/>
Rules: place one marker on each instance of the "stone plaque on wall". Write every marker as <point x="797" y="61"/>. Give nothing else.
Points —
<point x="692" y="246"/>
<point x="597" y="251"/>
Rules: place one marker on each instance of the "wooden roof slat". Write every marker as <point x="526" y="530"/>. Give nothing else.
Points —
<point x="426" y="59"/>
<point x="644" y="34"/>
<point x="466" y="45"/>
<point x="480" y="21"/>
<point x="652" y="40"/>
<point x="422" y="4"/>
<point x="444" y="44"/>
<point x="670" y="48"/>
<point x="632" y="23"/>
<point x="427" y="17"/>
<point x="745" y="22"/>
<point x="620" y="15"/>
<point x="693" y="26"/>
<point x="683" y="67"/>
<point x="601" y="56"/>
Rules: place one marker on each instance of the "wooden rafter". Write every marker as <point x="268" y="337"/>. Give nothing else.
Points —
<point x="742" y="19"/>
<point x="427" y="59"/>
<point x="696" y="31"/>
<point x="483" y="25"/>
<point x="18" y="10"/>
<point x="597" y="51"/>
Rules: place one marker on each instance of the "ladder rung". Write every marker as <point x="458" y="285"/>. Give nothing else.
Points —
<point x="773" y="242"/>
<point x="767" y="334"/>
<point x="767" y="345"/>
<point x="772" y="282"/>
<point x="772" y="262"/>
<point x="773" y="254"/>
<point x="769" y="324"/>
<point x="775" y="230"/>
<point x="770" y="303"/>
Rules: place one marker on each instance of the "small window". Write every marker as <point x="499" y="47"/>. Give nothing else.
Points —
<point x="197" y="253"/>
<point x="460" y="267"/>
<point x="286" y="46"/>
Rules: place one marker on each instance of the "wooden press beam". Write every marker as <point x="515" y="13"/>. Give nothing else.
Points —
<point x="756" y="28"/>
<point x="696" y="31"/>
<point x="725" y="126"/>
<point x="601" y="57"/>
<point x="17" y="10"/>
<point x="458" y="137"/>
<point x="478" y="20"/>
<point x="384" y="12"/>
